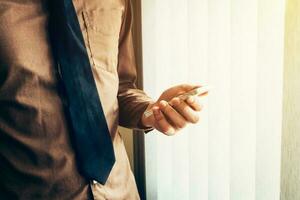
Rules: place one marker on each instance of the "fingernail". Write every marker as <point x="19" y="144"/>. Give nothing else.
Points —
<point x="191" y="100"/>
<point x="171" y="132"/>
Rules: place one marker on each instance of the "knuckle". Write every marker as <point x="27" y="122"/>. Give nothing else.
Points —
<point x="158" y="117"/>
<point x="169" y="110"/>
<point x="164" y="107"/>
<point x="175" y="102"/>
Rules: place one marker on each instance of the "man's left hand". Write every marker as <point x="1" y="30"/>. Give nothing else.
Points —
<point x="170" y="113"/>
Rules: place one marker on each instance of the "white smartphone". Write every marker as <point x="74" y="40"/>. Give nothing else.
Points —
<point x="194" y="92"/>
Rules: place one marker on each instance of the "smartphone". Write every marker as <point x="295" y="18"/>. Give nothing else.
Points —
<point x="194" y="92"/>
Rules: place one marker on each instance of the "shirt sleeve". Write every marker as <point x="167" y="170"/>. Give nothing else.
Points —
<point x="132" y="101"/>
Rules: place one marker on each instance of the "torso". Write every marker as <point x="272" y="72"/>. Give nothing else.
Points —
<point x="37" y="160"/>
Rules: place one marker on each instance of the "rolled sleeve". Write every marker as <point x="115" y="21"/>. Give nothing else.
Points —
<point x="132" y="101"/>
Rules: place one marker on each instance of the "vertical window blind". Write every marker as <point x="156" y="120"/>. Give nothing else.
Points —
<point x="237" y="47"/>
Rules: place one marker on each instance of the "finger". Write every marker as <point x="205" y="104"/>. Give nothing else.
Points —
<point x="194" y="103"/>
<point x="172" y="115"/>
<point x="188" y="87"/>
<point x="204" y="94"/>
<point x="181" y="89"/>
<point x="185" y="110"/>
<point x="162" y="124"/>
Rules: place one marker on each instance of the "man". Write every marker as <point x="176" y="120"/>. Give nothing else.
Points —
<point x="37" y="155"/>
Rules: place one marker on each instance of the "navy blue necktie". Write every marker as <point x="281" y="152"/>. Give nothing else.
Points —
<point x="93" y="145"/>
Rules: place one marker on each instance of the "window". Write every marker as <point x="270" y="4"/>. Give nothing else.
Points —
<point x="236" y="46"/>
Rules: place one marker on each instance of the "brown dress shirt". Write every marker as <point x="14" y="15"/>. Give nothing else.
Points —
<point x="37" y="160"/>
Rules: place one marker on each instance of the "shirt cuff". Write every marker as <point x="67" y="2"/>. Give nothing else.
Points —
<point x="140" y="126"/>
